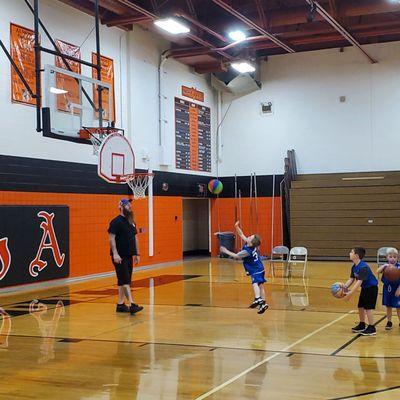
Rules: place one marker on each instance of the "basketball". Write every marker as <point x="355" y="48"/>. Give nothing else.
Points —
<point x="215" y="186"/>
<point x="391" y="273"/>
<point x="337" y="290"/>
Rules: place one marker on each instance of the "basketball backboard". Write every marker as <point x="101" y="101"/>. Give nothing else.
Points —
<point x="70" y="102"/>
<point x="116" y="159"/>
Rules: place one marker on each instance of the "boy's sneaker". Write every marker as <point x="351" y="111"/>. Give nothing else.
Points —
<point x="369" y="331"/>
<point x="122" y="308"/>
<point x="134" y="308"/>
<point x="257" y="302"/>
<point x="359" y="328"/>
<point x="263" y="307"/>
<point x="389" y="325"/>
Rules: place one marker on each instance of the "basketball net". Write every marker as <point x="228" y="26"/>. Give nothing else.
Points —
<point x="96" y="136"/>
<point x="138" y="183"/>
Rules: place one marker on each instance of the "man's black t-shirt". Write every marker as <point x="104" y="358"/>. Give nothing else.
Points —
<point x="125" y="234"/>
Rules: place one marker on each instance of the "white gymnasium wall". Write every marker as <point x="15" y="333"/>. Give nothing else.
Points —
<point x="361" y="134"/>
<point x="145" y="49"/>
<point x="136" y="58"/>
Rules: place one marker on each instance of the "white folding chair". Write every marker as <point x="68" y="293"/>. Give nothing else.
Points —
<point x="381" y="256"/>
<point x="297" y="298"/>
<point x="297" y="255"/>
<point x="280" y="255"/>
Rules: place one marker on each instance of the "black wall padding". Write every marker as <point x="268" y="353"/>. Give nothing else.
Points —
<point x="49" y="176"/>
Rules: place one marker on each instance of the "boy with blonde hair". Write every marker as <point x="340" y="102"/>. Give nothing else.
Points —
<point x="391" y="289"/>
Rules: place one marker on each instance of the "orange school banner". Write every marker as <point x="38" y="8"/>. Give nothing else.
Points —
<point x="22" y="42"/>
<point x="107" y="76"/>
<point x="66" y="82"/>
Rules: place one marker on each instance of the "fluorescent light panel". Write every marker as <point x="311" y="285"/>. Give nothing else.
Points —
<point x="172" y="26"/>
<point x="243" y="67"/>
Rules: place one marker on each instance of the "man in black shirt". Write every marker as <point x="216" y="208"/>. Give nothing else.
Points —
<point x="124" y="252"/>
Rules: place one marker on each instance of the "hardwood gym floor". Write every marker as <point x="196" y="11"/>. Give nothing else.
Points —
<point x="195" y="339"/>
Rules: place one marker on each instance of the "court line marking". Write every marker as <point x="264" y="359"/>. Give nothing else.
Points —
<point x="207" y="347"/>
<point x="366" y="393"/>
<point x="348" y="343"/>
<point x="253" y="367"/>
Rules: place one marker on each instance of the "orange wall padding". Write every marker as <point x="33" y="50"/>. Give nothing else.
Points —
<point x="89" y="218"/>
<point x="224" y="211"/>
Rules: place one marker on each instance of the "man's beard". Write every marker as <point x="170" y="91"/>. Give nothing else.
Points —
<point x="128" y="214"/>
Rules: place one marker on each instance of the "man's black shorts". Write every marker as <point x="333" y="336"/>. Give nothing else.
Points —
<point x="124" y="270"/>
<point x="368" y="298"/>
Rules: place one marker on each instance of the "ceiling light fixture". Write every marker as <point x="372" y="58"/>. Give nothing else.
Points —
<point x="243" y="67"/>
<point x="172" y="26"/>
<point x="237" y="36"/>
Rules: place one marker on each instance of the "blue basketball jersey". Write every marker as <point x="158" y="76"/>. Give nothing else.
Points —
<point x="252" y="262"/>
<point x="363" y="272"/>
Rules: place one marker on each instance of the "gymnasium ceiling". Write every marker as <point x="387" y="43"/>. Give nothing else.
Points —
<point x="292" y="22"/>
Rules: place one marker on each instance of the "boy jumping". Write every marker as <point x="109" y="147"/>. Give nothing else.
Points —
<point x="253" y="266"/>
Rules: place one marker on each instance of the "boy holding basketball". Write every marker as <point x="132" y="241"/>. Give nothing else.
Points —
<point x="253" y="266"/>
<point x="391" y="289"/>
<point x="363" y="277"/>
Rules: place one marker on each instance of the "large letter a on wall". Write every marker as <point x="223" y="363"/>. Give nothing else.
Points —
<point x="48" y="232"/>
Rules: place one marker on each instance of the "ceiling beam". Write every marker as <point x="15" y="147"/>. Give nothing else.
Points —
<point x="154" y="5"/>
<point x="331" y="21"/>
<point x="79" y="5"/>
<point x="251" y="24"/>
<point x="112" y="5"/>
<point x="261" y="14"/>
<point x="129" y="19"/>
<point x="334" y="8"/>
<point x="191" y="8"/>
<point x="88" y="8"/>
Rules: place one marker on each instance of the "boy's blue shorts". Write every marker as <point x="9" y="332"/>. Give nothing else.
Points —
<point x="388" y="297"/>
<point x="258" y="277"/>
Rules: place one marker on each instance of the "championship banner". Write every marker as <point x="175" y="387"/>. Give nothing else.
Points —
<point x="107" y="76"/>
<point x="22" y="42"/>
<point x="67" y="83"/>
<point x="34" y="244"/>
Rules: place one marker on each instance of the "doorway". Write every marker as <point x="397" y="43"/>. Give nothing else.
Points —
<point x="196" y="227"/>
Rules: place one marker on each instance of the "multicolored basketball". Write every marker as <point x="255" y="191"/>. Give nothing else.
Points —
<point x="215" y="186"/>
<point x="337" y="290"/>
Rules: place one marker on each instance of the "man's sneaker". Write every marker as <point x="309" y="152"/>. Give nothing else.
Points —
<point x="257" y="302"/>
<point x="389" y="325"/>
<point x="263" y="307"/>
<point x="134" y="308"/>
<point x="369" y="331"/>
<point x="359" y="328"/>
<point x="122" y="308"/>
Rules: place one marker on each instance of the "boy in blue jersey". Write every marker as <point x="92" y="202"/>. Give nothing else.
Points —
<point x="253" y="266"/>
<point x="391" y="289"/>
<point x="363" y="277"/>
